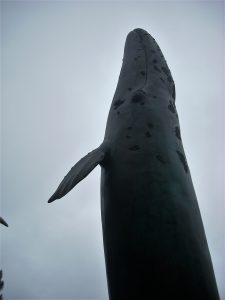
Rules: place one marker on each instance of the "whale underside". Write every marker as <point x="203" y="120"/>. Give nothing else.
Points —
<point x="154" y="240"/>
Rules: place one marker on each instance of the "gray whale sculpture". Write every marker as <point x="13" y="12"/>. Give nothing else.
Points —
<point x="154" y="240"/>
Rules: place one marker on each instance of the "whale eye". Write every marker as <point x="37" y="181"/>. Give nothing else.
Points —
<point x="139" y="96"/>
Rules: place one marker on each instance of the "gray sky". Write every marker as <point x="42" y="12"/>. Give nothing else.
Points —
<point x="60" y="65"/>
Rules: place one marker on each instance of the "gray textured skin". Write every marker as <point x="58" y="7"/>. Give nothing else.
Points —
<point x="154" y="240"/>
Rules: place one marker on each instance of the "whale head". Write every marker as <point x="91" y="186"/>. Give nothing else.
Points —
<point x="144" y="67"/>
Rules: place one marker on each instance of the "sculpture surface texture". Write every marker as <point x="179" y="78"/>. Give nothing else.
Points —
<point x="154" y="240"/>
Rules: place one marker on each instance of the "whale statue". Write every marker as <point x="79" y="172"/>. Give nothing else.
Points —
<point x="154" y="241"/>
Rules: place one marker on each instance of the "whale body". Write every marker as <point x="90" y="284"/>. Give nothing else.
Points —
<point x="154" y="241"/>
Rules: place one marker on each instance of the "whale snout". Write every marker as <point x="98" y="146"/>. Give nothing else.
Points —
<point x="138" y="31"/>
<point x="137" y="34"/>
<point x="144" y="65"/>
<point x="141" y="31"/>
<point x="138" y="42"/>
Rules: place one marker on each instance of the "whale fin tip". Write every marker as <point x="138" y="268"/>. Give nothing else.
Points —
<point x="78" y="172"/>
<point x="3" y="222"/>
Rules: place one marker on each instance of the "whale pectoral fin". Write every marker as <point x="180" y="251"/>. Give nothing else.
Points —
<point x="78" y="172"/>
<point x="3" y="222"/>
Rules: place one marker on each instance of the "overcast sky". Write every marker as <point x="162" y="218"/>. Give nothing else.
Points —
<point x="60" y="65"/>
